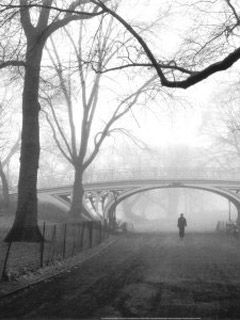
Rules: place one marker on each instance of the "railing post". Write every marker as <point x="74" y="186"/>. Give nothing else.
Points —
<point x="53" y="240"/>
<point x="74" y="239"/>
<point x="42" y="245"/>
<point x="64" y="240"/>
<point x="100" y="231"/>
<point x="78" y="237"/>
<point x="105" y="229"/>
<point x="90" y="230"/>
<point x="82" y="235"/>
<point x="4" y="276"/>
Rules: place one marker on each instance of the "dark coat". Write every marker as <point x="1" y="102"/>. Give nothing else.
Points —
<point x="182" y="222"/>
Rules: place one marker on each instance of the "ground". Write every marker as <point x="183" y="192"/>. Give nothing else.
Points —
<point x="142" y="275"/>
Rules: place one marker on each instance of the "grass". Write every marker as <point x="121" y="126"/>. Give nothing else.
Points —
<point x="26" y="257"/>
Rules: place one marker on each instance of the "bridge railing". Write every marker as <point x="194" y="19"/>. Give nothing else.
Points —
<point x="158" y="173"/>
<point x="150" y="173"/>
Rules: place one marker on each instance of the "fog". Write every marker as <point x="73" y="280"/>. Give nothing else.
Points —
<point x="171" y="130"/>
<point x="158" y="210"/>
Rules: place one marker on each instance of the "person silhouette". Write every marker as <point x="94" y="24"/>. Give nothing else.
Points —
<point x="182" y="223"/>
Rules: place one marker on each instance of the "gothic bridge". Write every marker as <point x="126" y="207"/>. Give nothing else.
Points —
<point x="104" y="190"/>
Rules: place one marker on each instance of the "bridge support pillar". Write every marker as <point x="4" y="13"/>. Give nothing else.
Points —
<point x="104" y="199"/>
<point x="97" y="204"/>
<point x="238" y="214"/>
<point x="112" y="219"/>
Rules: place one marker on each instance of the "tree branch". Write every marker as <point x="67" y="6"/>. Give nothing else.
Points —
<point x="67" y="95"/>
<point x="233" y="10"/>
<point x="25" y="18"/>
<point x="149" y="65"/>
<point x="44" y="15"/>
<point x="63" y="22"/>
<point x="4" y="64"/>
<point x="224" y="64"/>
<point x="12" y="151"/>
<point x="25" y="6"/>
<point x="60" y="130"/>
<point x="116" y="115"/>
<point x="56" y="139"/>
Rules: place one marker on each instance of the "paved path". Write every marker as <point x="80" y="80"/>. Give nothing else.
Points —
<point x="142" y="276"/>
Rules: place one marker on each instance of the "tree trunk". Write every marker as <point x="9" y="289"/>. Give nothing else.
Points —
<point x="25" y="227"/>
<point x="5" y="189"/>
<point x="77" y="210"/>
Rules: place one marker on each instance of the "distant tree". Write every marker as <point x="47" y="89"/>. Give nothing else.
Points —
<point x="222" y="126"/>
<point x="3" y="163"/>
<point x="9" y="145"/>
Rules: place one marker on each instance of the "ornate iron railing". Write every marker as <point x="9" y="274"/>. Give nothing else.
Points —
<point x="160" y="173"/>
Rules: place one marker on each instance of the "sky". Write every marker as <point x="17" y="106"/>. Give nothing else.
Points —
<point x="165" y="121"/>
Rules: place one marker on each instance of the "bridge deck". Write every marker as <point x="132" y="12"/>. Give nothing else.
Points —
<point x="128" y="183"/>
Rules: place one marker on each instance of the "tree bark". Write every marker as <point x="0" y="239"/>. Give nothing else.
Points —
<point x="77" y="195"/>
<point x="25" y="227"/>
<point x="5" y="189"/>
<point x="77" y="210"/>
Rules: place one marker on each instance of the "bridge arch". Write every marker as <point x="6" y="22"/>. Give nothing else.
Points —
<point x="232" y="197"/>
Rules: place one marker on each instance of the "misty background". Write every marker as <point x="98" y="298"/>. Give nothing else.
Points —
<point x="197" y="129"/>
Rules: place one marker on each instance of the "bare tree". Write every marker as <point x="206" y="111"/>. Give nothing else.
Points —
<point x="80" y="147"/>
<point x="38" y="20"/>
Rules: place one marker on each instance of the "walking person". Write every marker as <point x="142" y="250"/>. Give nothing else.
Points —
<point x="182" y="223"/>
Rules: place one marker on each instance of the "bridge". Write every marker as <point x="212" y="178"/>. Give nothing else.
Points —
<point x="142" y="274"/>
<point x="105" y="189"/>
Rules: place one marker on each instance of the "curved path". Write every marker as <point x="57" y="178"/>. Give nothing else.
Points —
<point x="142" y="275"/>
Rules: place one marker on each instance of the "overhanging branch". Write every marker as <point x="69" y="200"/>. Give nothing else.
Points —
<point x="194" y="78"/>
<point x="148" y="65"/>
